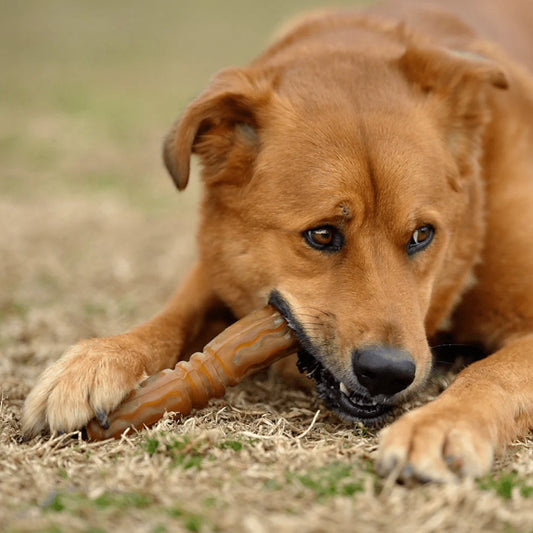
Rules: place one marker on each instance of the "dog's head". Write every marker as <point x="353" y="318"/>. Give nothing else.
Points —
<point x="346" y="191"/>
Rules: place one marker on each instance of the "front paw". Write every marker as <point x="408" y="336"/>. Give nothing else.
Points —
<point x="437" y="442"/>
<point x="90" y="380"/>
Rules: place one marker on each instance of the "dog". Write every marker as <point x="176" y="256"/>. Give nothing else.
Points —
<point x="371" y="176"/>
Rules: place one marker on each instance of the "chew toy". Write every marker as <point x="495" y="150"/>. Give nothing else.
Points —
<point x="250" y="344"/>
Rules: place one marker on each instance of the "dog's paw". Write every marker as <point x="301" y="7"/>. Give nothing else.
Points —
<point x="435" y="444"/>
<point x="89" y="381"/>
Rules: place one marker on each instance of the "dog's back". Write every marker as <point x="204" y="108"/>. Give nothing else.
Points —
<point x="506" y="22"/>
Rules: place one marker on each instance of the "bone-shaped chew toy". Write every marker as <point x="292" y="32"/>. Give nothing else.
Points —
<point x="250" y="344"/>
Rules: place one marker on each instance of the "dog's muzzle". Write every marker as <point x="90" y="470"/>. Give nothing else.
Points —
<point x="351" y="405"/>
<point x="379" y="373"/>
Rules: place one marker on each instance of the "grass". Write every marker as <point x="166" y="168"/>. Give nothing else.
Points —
<point x="183" y="452"/>
<point x="77" y="503"/>
<point x="187" y="452"/>
<point x="334" y="479"/>
<point x="508" y="484"/>
<point x="113" y="503"/>
<point x="94" y="238"/>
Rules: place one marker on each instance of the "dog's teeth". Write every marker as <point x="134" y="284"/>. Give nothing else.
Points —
<point x="344" y="389"/>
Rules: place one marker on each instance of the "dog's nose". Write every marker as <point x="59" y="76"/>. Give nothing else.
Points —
<point x="383" y="369"/>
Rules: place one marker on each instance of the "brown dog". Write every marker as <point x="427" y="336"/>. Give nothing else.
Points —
<point x="372" y="176"/>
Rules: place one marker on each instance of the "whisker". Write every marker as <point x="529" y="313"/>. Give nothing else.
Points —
<point x="315" y="309"/>
<point x="451" y="345"/>
<point x="307" y="315"/>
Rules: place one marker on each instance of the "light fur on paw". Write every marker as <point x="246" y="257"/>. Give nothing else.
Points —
<point x="433" y="443"/>
<point x="90" y="380"/>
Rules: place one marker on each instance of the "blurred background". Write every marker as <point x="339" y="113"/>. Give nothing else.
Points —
<point x="93" y="234"/>
<point x="88" y="86"/>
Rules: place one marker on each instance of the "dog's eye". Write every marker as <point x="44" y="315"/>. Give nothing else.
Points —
<point x="420" y="239"/>
<point x="324" y="238"/>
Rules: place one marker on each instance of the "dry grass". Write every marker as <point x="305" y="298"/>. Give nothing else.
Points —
<point x="93" y="239"/>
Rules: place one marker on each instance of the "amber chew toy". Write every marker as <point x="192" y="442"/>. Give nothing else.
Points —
<point x="252" y="343"/>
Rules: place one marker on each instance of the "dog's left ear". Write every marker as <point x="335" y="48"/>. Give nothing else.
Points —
<point x="446" y="71"/>
<point x="460" y="83"/>
<point x="221" y="126"/>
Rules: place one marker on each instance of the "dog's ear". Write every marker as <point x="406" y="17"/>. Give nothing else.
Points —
<point x="459" y="82"/>
<point x="221" y="126"/>
<point x="449" y="71"/>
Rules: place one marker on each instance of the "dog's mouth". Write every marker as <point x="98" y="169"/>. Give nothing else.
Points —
<point x="350" y="405"/>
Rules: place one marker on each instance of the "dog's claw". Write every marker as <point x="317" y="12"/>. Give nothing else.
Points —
<point x="103" y="420"/>
<point x="407" y="472"/>
<point x="455" y="464"/>
<point x="24" y="438"/>
<point x="384" y="467"/>
<point x="392" y="466"/>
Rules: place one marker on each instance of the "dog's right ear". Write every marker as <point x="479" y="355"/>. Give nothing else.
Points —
<point x="221" y="126"/>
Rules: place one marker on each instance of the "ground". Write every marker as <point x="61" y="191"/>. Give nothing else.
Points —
<point x="94" y="238"/>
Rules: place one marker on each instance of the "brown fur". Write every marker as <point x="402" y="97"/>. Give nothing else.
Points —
<point x="376" y="124"/>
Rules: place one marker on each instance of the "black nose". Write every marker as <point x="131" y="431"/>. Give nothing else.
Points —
<point x="383" y="370"/>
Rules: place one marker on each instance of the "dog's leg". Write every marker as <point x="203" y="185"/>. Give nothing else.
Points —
<point x="489" y="404"/>
<point x="94" y="375"/>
